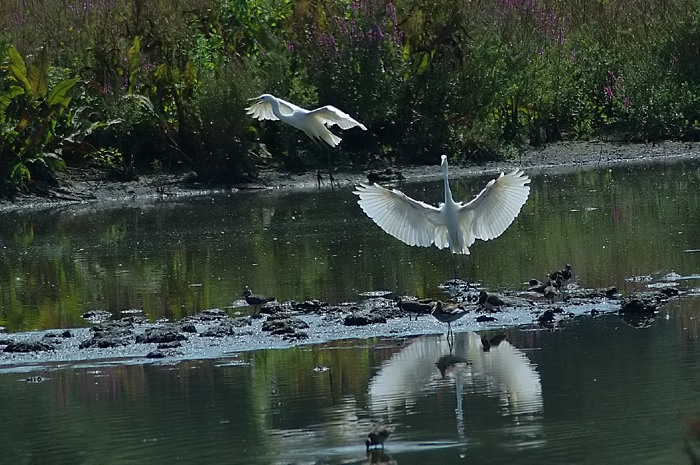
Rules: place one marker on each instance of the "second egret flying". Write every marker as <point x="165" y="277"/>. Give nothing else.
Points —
<point x="452" y="225"/>
<point x="314" y="123"/>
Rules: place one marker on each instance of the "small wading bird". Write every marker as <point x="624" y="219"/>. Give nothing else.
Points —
<point x="377" y="436"/>
<point x="314" y="123"/>
<point x="490" y="302"/>
<point x="564" y="275"/>
<point x="255" y="300"/>
<point x="414" y="307"/>
<point x="447" y="313"/>
<point x="452" y="225"/>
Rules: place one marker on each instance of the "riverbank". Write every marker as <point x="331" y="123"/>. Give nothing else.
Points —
<point x="91" y="186"/>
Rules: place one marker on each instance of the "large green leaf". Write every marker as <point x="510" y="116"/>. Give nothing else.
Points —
<point x="8" y="96"/>
<point x="18" y="68"/>
<point x="134" y="58"/>
<point x="58" y="93"/>
<point x="38" y="75"/>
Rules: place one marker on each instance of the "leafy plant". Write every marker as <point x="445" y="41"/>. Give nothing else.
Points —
<point x="29" y="115"/>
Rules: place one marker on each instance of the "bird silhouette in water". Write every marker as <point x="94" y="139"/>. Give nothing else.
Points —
<point x="255" y="300"/>
<point x="314" y="123"/>
<point x="493" y="342"/>
<point x="490" y="302"/>
<point x="414" y="307"/>
<point x="452" y="225"/>
<point x="377" y="436"/>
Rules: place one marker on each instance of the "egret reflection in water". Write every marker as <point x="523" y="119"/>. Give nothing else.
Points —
<point x="426" y="365"/>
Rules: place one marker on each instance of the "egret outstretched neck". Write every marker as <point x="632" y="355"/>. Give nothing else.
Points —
<point x="448" y="192"/>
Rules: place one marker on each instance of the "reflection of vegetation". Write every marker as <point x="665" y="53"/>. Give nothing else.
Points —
<point x="173" y="259"/>
<point x="154" y="411"/>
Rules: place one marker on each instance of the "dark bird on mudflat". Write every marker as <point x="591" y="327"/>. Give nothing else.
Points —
<point x="490" y="301"/>
<point x="447" y="313"/>
<point x="564" y="275"/>
<point x="416" y="307"/>
<point x="378" y="435"/>
<point x="255" y="300"/>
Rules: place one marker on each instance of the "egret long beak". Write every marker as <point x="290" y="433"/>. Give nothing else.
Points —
<point x="255" y="99"/>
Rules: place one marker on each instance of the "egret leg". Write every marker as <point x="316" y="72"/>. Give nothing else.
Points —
<point x="330" y="170"/>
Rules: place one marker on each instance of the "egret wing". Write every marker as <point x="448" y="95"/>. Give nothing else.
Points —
<point x="330" y="115"/>
<point x="410" y="221"/>
<point x="261" y="111"/>
<point x="494" y="209"/>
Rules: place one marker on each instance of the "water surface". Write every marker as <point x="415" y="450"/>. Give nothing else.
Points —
<point x="596" y="391"/>
<point x="174" y="258"/>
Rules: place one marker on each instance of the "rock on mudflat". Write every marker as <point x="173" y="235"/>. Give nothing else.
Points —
<point x="28" y="346"/>
<point x="226" y="327"/>
<point x="161" y="334"/>
<point x="363" y="319"/>
<point x="110" y="334"/>
<point x="289" y="327"/>
<point x="647" y="302"/>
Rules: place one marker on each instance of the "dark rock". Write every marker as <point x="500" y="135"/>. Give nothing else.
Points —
<point x="28" y="346"/>
<point x="309" y="306"/>
<point x="388" y="175"/>
<point x="97" y="316"/>
<point x="295" y="336"/>
<point x="611" y="293"/>
<point x="4" y="342"/>
<point x="135" y="319"/>
<point x="64" y="334"/>
<point x="484" y="318"/>
<point x="647" y="302"/>
<point x="270" y="309"/>
<point x="363" y="319"/>
<point x="188" y="328"/>
<point x="214" y="314"/>
<point x="169" y="345"/>
<point x="287" y="325"/>
<point x="155" y="354"/>
<point x="109" y="334"/>
<point x="226" y="328"/>
<point x="160" y="334"/>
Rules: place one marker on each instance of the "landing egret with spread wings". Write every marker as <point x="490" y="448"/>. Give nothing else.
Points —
<point x="453" y="225"/>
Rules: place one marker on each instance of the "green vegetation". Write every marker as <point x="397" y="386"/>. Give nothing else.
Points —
<point x="136" y="85"/>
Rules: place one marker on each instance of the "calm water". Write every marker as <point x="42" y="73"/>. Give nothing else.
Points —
<point x="597" y="391"/>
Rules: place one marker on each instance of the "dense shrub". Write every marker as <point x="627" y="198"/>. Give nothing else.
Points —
<point x="156" y="83"/>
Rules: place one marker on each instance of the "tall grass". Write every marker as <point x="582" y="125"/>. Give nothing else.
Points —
<point x="163" y="83"/>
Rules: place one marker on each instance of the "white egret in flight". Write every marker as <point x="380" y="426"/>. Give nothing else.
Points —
<point x="314" y="123"/>
<point x="452" y="225"/>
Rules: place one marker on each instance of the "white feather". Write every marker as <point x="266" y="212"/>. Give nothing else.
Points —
<point x="452" y="224"/>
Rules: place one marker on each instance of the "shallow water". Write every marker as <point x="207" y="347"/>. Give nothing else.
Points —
<point x="597" y="391"/>
<point x="174" y="258"/>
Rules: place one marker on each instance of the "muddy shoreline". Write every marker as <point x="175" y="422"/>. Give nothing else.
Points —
<point x="130" y="338"/>
<point x="90" y="187"/>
